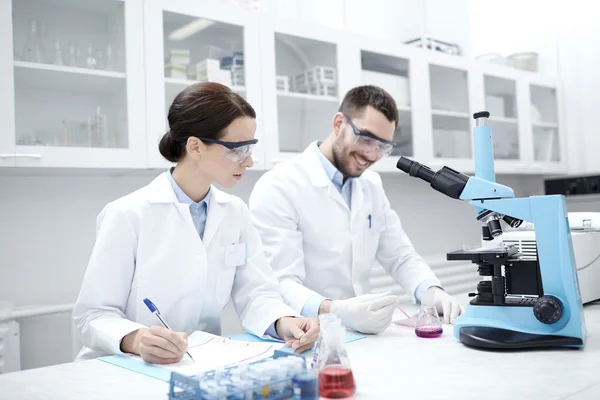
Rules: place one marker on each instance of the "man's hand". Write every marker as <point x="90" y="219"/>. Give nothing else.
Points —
<point x="157" y="345"/>
<point x="298" y="333"/>
<point x="447" y="306"/>
<point x="369" y="313"/>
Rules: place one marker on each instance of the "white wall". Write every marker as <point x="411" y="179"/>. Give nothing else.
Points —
<point x="398" y="20"/>
<point x="579" y="58"/>
<point x="512" y="26"/>
<point x="47" y="234"/>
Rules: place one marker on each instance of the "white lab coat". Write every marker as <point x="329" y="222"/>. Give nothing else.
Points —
<point x="147" y="246"/>
<point x="316" y="244"/>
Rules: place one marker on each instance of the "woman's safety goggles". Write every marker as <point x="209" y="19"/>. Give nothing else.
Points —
<point x="234" y="151"/>
<point x="369" y="142"/>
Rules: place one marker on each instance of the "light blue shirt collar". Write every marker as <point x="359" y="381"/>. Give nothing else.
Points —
<point x="198" y="211"/>
<point x="332" y="172"/>
<point x="181" y="196"/>
<point x="336" y="177"/>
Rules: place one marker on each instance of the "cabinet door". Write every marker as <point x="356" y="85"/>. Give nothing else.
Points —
<point x="199" y="41"/>
<point x="394" y="69"/>
<point x="451" y="101"/>
<point x="501" y="102"/>
<point x="302" y="83"/>
<point x="75" y="74"/>
<point x="549" y="145"/>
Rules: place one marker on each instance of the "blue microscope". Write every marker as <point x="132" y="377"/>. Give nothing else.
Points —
<point x="520" y="303"/>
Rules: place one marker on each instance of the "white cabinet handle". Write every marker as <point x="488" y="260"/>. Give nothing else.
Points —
<point x="276" y="161"/>
<point x="35" y="156"/>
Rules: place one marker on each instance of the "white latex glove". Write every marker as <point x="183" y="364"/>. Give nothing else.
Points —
<point x="369" y="313"/>
<point x="447" y="306"/>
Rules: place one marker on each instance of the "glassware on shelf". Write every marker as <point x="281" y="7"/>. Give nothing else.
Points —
<point x="90" y="58"/>
<point x="34" y="50"/>
<point x="109" y="61"/>
<point x="96" y="128"/>
<point x="336" y="380"/>
<point x="74" y="56"/>
<point x="99" y="59"/>
<point x="428" y="320"/>
<point x="58" y="58"/>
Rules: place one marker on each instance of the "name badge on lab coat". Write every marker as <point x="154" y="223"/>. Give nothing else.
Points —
<point x="235" y="255"/>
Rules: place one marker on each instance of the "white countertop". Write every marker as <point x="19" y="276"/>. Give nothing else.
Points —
<point x="394" y="365"/>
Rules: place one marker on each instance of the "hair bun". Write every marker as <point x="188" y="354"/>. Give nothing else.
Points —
<point x="169" y="148"/>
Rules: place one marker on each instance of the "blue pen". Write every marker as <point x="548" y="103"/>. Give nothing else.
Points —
<point x="369" y="221"/>
<point x="154" y="310"/>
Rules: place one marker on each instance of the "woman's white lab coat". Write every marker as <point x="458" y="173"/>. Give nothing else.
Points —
<point x="317" y="245"/>
<point x="147" y="246"/>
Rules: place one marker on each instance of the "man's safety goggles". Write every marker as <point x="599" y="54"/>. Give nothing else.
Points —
<point x="369" y="142"/>
<point x="234" y="151"/>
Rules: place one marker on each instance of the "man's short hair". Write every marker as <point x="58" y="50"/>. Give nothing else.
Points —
<point x="358" y="98"/>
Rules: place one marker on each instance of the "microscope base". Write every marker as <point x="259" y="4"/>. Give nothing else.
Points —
<point x="504" y="339"/>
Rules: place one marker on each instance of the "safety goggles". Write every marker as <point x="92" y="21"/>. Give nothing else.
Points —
<point x="234" y="151"/>
<point x="369" y="142"/>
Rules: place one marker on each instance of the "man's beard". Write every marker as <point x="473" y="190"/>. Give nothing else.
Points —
<point x="340" y="163"/>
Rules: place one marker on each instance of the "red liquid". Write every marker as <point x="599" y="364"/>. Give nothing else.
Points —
<point x="428" y="332"/>
<point x="336" y="383"/>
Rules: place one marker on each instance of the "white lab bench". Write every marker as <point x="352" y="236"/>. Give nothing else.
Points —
<point x="393" y="365"/>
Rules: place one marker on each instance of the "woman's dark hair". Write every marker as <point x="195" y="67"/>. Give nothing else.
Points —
<point x="201" y="110"/>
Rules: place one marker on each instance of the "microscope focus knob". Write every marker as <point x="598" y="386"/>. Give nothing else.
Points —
<point x="548" y="309"/>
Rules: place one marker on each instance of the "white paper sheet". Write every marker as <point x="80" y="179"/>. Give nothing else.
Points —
<point x="212" y="352"/>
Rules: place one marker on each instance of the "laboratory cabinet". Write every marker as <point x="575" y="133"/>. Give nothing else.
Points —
<point x="73" y="87"/>
<point x="198" y="41"/>
<point x="88" y="84"/>
<point x="304" y="77"/>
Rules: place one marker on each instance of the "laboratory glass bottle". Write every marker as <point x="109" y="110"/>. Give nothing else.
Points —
<point x="34" y="50"/>
<point x="336" y="380"/>
<point x="428" y="320"/>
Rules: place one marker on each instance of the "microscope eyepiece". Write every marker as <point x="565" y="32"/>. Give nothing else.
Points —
<point x="415" y="169"/>
<point x="446" y="180"/>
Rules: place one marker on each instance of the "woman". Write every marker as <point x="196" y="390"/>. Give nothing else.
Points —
<point x="184" y="244"/>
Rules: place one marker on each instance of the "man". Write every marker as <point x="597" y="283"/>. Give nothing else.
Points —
<point x="324" y="219"/>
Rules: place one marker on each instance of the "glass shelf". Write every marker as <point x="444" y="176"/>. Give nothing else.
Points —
<point x="449" y="89"/>
<point x="451" y="136"/>
<point x="307" y="92"/>
<point x="544" y="117"/>
<point x="201" y="50"/>
<point x="501" y="102"/>
<point x="451" y="121"/>
<point x="69" y="69"/>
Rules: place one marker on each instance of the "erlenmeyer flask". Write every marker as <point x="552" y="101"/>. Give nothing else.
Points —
<point x="428" y="320"/>
<point x="324" y="321"/>
<point x="336" y="380"/>
<point x="34" y="50"/>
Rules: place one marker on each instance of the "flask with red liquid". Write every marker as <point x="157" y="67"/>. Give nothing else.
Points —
<point x="336" y="380"/>
<point x="428" y="320"/>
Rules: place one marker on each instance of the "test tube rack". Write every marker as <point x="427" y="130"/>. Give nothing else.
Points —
<point x="183" y="387"/>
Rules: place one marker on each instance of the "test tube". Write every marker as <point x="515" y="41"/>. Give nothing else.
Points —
<point x="305" y="385"/>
